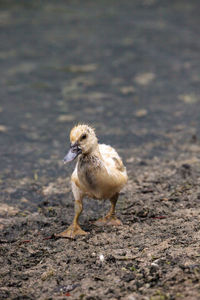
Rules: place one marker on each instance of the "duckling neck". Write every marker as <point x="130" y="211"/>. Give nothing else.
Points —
<point x="89" y="166"/>
<point x="95" y="152"/>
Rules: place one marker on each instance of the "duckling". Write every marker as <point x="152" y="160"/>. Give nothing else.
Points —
<point x="99" y="173"/>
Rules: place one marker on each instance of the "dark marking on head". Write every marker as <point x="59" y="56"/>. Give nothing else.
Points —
<point x="83" y="136"/>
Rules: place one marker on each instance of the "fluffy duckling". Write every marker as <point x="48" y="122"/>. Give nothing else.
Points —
<point x="99" y="174"/>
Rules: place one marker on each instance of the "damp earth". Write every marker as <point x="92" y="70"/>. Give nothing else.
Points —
<point x="130" y="69"/>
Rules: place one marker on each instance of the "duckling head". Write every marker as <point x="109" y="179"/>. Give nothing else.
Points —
<point x="83" y="141"/>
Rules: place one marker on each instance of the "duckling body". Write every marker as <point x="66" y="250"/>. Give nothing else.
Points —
<point x="99" y="174"/>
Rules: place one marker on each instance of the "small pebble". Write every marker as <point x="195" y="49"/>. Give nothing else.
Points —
<point x="101" y="257"/>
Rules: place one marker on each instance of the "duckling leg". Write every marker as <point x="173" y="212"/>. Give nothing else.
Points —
<point x="110" y="218"/>
<point x="74" y="229"/>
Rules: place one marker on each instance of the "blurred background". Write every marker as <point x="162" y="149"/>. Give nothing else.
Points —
<point x="129" y="68"/>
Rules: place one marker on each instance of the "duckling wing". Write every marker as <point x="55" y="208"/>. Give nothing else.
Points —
<point x="111" y="158"/>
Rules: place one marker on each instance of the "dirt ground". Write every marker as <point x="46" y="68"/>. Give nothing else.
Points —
<point x="131" y="69"/>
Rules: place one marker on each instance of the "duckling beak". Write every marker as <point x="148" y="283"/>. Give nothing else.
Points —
<point x="74" y="151"/>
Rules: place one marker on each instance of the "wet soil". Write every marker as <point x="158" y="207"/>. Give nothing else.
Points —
<point x="131" y="69"/>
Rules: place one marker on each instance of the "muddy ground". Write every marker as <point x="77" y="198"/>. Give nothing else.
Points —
<point x="131" y="69"/>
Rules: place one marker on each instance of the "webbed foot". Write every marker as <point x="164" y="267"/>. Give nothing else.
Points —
<point x="108" y="220"/>
<point x="71" y="232"/>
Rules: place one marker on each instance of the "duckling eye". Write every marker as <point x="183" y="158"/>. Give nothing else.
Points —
<point x="83" y="137"/>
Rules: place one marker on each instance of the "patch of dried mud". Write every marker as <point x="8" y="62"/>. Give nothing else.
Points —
<point x="154" y="255"/>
